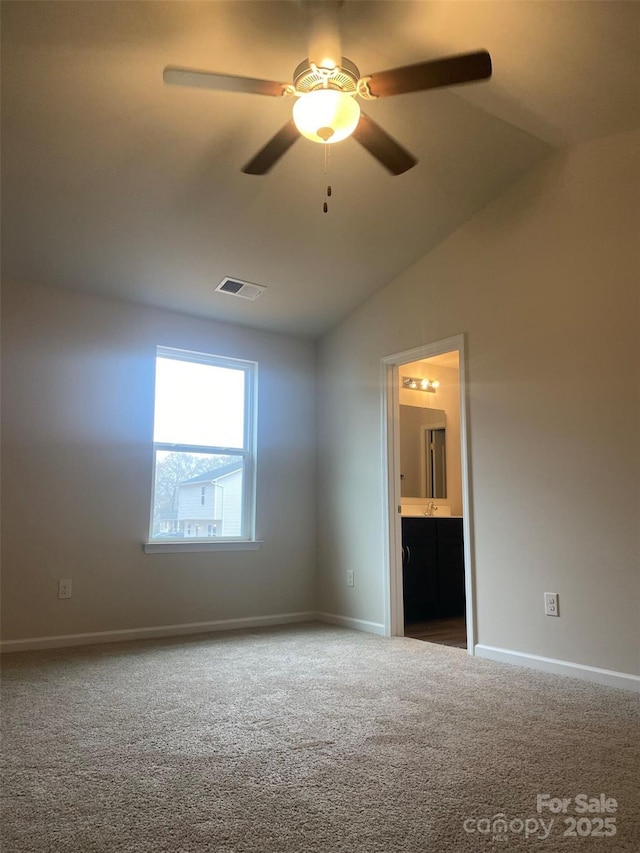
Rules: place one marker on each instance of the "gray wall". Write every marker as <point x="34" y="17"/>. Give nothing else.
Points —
<point x="544" y="282"/>
<point x="77" y="382"/>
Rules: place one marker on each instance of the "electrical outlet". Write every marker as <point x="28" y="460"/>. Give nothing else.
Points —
<point x="350" y="577"/>
<point x="551" y="604"/>
<point x="64" y="588"/>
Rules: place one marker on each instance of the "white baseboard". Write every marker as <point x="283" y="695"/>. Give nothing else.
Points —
<point x="158" y="631"/>
<point x="608" y="677"/>
<point x="349" y="622"/>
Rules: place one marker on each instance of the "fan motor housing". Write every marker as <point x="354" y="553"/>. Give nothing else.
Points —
<point x="344" y="77"/>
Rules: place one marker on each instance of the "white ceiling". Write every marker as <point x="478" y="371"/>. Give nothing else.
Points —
<point x="115" y="183"/>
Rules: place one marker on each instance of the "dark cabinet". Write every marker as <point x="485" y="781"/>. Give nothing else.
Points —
<point x="432" y="568"/>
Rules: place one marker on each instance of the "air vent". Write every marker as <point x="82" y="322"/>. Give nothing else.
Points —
<point x="242" y="289"/>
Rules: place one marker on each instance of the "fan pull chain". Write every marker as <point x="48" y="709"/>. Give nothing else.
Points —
<point x="327" y="166"/>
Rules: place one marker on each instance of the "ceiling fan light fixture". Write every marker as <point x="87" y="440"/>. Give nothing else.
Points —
<point x="326" y="115"/>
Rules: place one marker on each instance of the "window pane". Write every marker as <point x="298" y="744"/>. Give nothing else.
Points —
<point x="197" y="495"/>
<point x="199" y="404"/>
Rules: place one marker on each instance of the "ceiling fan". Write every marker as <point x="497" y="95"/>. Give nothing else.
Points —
<point x="326" y="87"/>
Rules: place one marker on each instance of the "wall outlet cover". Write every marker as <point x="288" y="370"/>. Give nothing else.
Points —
<point x="64" y="588"/>
<point x="551" y="607"/>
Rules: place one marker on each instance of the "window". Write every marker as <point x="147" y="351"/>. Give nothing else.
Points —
<point x="204" y="449"/>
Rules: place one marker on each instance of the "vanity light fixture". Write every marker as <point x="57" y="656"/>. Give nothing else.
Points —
<point x="420" y="384"/>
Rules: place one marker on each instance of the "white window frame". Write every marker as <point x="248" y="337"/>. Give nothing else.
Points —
<point x="247" y="540"/>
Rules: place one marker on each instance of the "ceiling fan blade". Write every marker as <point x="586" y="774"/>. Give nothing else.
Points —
<point x="222" y="82"/>
<point x="268" y="156"/>
<point x="383" y="147"/>
<point x="431" y="74"/>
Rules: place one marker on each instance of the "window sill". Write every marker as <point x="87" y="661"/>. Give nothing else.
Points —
<point x="202" y="545"/>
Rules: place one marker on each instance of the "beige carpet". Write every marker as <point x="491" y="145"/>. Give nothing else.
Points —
<point x="308" y="738"/>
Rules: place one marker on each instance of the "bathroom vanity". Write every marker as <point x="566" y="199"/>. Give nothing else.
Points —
<point x="432" y="568"/>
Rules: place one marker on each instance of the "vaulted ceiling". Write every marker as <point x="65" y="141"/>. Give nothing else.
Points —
<point x="115" y="183"/>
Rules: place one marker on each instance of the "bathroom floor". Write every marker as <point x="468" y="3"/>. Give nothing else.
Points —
<point x="444" y="632"/>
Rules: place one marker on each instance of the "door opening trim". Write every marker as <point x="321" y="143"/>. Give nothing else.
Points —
<point x="390" y="383"/>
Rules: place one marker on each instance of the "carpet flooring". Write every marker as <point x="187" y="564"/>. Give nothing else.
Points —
<point x="309" y="739"/>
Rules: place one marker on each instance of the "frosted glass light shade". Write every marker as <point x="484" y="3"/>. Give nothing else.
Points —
<point x="326" y="115"/>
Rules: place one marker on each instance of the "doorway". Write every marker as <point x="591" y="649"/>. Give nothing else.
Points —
<point x="429" y="589"/>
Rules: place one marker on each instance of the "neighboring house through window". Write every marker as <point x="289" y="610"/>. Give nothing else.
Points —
<point x="219" y="501"/>
<point x="204" y="447"/>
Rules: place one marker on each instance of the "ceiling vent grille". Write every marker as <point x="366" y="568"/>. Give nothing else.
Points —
<point x="242" y="289"/>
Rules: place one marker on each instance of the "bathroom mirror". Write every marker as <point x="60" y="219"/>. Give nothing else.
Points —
<point x="423" y="452"/>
